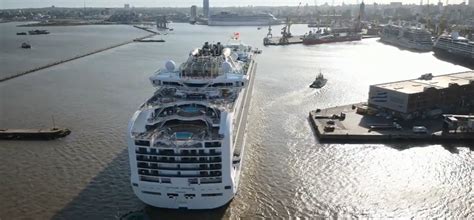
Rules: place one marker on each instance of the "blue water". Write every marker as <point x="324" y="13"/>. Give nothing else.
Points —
<point x="190" y="109"/>
<point x="183" y="135"/>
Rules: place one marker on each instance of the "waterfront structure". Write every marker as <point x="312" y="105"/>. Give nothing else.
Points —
<point x="186" y="143"/>
<point x="362" y="11"/>
<point x="415" y="38"/>
<point x="455" y="47"/>
<point x="232" y="19"/>
<point x="205" y="8"/>
<point x="412" y="98"/>
<point x="193" y="13"/>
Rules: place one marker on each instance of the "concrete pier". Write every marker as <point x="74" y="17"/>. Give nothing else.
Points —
<point x="275" y="41"/>
<point x="329" y="126"/>
<point x="146" y="29"/>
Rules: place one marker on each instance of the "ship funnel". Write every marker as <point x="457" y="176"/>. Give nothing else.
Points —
<point x="170" y="65"/>
<point x="195" y="52"/>
<point x="455" y="35"/>
<point x="226" y="52"/>
<point x="226" y="67"/>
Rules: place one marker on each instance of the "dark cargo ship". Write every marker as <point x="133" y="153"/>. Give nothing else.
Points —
<point x="321" y="37"/>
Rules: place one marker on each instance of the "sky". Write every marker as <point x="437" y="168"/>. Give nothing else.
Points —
<point x="6" y="4"/>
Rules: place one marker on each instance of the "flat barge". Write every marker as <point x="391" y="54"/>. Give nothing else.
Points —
<point x="33" y="134"/>
<point x="343" y="124"/>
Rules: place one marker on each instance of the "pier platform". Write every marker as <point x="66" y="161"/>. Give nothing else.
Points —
<point x="275" y="41"/>
<point x="352" y="127"/>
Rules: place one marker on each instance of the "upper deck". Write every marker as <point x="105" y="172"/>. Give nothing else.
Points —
<point x="213" y="74"/>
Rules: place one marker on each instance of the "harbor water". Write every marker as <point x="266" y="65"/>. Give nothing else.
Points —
<point x="286" y="173"/>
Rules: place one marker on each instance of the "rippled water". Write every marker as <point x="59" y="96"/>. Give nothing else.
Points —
<point x="286" y="172"/>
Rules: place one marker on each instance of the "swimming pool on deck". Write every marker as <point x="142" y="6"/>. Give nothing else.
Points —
<point x="183" y="135"/>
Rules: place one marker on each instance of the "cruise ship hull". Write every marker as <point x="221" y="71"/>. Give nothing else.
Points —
<point x="204" y="196"/>
<point x="404" y="43"/>
<point x="461" y="58"/>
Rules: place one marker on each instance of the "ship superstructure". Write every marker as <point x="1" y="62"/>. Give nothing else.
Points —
<point x="187" y="141"/>
<point x="415" y="38"/>
<point x="231" y="19"/>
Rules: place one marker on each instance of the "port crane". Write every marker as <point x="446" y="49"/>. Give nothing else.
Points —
<point x="285" y="31"/>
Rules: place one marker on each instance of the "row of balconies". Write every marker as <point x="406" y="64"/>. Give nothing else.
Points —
<point x="179" y="167"/>
<point x="157" y="173"/>
<point x="146" y="143"/>
<point x="156" y="159"/>
<point x="179" y="153"/>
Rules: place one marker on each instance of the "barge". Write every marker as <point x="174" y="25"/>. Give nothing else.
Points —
<point x="33" y="134"/>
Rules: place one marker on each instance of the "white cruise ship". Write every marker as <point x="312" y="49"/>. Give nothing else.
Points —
<point x="455" y="47"/>
<point x="231" y="19"/>
<point x="186" y="143"/>
<point x="413" y="38"/>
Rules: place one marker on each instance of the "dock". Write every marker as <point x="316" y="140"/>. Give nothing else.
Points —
<point x="277" y="41"/>
<point x="149" y="40"/>
<point x="330" y="126"/>
<point x="146" y="29"/>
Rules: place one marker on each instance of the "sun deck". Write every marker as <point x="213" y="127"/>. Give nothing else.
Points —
<point x="216" y="98"/>
<point x="177" y="130"/>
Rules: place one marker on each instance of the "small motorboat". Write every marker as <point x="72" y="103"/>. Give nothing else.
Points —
<point x="319" y="82"/>
<point x="25" y="46"/>
<point x="21" y="33"/>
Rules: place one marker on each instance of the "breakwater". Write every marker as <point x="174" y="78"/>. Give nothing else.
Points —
<point x="74" y="58"/>
<point x="146" y="29"/>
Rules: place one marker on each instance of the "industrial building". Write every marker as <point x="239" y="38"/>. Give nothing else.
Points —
<point x="417" y="97"/>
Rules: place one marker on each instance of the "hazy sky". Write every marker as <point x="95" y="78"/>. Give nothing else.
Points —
<point x="184" y="3"/>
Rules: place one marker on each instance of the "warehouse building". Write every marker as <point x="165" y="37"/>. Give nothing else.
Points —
<point x="413" y="98"/>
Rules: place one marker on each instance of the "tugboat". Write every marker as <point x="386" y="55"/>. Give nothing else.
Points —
<point x="25" y="46"/>
<point x="319" y="82"/>
<point x="38" y="32"/>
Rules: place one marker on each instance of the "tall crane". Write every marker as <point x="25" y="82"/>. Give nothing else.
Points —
<point x="285" y="31"/>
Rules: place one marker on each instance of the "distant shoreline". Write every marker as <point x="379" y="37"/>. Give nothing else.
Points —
<point x="77" y="23"/>
<point x="67" y="23"/>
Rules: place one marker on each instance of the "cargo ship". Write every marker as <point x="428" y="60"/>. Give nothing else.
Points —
<point x="322" y="37"/>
